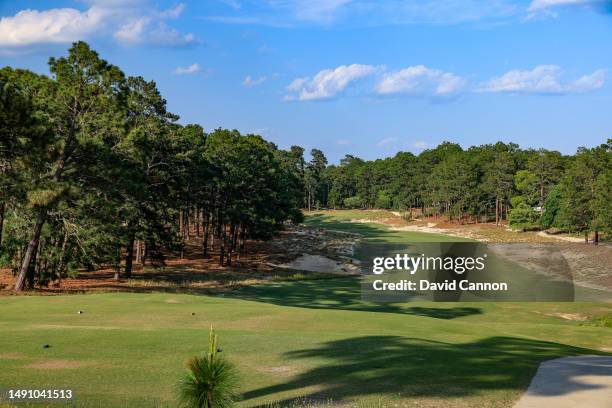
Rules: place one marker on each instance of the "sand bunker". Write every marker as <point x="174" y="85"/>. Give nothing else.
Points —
<point x="319" y="263"/>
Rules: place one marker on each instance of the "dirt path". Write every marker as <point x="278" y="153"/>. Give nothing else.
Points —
<point x="582" y="381"/>
<point x="560" y="237"/>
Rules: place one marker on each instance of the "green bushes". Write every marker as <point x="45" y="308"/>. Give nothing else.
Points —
<point x="551" y="208"/>
<point x="210" y="382"/>
<point x="353" y="202"/>
<point x="523" y="217"/>
<point x="383" y="200"/>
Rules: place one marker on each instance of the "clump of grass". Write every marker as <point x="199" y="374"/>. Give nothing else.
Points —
<point x="211" y="381"/>
<point x="600" y="321"/>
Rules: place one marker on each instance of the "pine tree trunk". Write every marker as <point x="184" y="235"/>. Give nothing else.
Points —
<point x="242" y="239"/>
<point x="143" y="254"/>
<point x="222" y="251"/>
<point x="31" y="251"/>
<point x="2" y="208"/>
<point x="36" y="266"/>
<point x="118" y="264"/>
<point x="129" y="255"/>
<point x="197" y="222"/>
<point x="188" y="217"/>
<point x="230" y="247"/>
<point x="181" y="233"/>
<point x="596" y="238"/>
<point x="206" y="232"/>
<point x="496" y="211"/>
<point x="506" y="208"/>
<point x="61" y="265"/>
<point x="138" y="252"/>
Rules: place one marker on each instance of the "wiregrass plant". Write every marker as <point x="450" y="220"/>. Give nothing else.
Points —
<point x="211" y="381"/>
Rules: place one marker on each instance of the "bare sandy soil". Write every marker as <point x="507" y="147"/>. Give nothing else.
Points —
<point x="590" y="265"/>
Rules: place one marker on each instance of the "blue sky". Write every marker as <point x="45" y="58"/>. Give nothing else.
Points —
<point x="363" y="77"/>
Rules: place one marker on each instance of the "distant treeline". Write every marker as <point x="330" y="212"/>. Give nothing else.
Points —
<point x="530" y="188"/>
<point x="95" y="172"/>
<point x="93" y="168"/>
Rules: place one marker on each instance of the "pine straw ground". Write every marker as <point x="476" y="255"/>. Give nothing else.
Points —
<point x="195" y="273"/>
<point x="330" y="233"/>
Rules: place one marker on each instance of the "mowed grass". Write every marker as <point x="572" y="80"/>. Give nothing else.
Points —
<point x="311" y="341"/>
<point x="372" y="231"/>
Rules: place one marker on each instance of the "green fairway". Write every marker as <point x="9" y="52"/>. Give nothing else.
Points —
<point x="312" y="339"/>
<point x="374" y="232"/>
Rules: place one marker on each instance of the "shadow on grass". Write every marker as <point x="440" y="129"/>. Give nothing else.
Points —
<point x="339" y="294"/>
<point x="410" y="367"/>
<point x="345" y="293"/>
<point x="443" y="313"/>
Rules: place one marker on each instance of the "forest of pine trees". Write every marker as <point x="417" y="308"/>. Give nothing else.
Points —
<point x="532" y="189"/>
<point x="95" y="172"/>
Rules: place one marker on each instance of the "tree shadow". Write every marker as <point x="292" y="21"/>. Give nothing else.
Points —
<point x="411" y="367"/>
<point x="339" y="294"/>
<point x="443" y="313"/>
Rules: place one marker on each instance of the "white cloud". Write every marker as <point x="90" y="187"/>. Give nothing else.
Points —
<point x="232" y="3"/>
<point x="386" y="142"/>
<point x="537" y="5"/>
<point x="328" y="83"/>
<point x="250" y="81"/>
<point x="420" y="145"/>
<point x="152" y="28"/>
<point x="115" y="3"/>
<point x="543" y="79"/>
<point x="420" y="80"/>
<point x="191" y="69"/>
<point x="132" y="31"/>
<point x="369" y="13"/>
<point x="125" y="20"/>
<point x="547" y="7"/>
<point x="174" y="12"/>
<point x="50" y="26"/>
<point x="147" y="30"/>
<point x="321" y="11"/>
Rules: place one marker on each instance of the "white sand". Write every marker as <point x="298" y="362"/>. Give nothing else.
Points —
<point x="318" y="263"/>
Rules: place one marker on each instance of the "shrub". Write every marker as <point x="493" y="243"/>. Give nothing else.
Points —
<point x="210" y="382"/>
<point x="600" y="321"/>
<point x="523" y="217"/>
<point x="353" y="202"/>
<point x="551" y="208"/>
<point x="383" y="200"/>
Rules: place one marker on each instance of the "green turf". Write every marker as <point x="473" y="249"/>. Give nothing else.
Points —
<point x="310" y="339"/>
<point x="374" y="232"/>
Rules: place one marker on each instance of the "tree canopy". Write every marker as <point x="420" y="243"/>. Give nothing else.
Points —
<point x="94" y="166"/>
